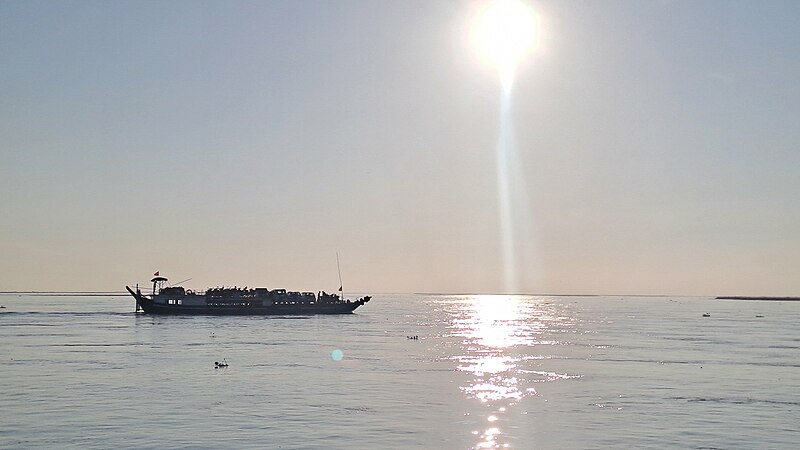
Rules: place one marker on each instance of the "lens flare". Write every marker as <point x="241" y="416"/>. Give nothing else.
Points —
<point x="505" y="32"/>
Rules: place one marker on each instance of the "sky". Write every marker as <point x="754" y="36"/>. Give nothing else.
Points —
<point x="246" y="143"/>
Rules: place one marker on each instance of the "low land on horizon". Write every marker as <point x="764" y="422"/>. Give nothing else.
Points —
<point x="781" y="299"/>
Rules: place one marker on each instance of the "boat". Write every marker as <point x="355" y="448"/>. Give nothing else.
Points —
<point x="166" y="299"/>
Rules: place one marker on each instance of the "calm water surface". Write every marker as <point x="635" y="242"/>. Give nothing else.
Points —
<point x="486" y="372"/>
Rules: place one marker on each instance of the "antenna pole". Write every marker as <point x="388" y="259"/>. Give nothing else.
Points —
<point x="341" y="286"/>
<point x="179" y="282"/>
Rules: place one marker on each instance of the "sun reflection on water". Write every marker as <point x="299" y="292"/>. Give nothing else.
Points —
<point x="498" y="336"/>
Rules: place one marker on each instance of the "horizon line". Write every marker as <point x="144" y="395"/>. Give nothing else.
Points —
<point x="718" y="296"/>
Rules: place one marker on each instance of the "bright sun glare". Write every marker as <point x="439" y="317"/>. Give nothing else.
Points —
<point x="505" y="33"/>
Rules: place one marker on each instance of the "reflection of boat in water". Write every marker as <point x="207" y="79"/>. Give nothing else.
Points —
<point x="238" y="301"/>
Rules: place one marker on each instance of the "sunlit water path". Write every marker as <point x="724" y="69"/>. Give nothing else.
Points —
<point x="485" y="372"/>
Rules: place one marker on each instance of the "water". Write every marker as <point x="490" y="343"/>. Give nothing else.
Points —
<point x="486" y="372"/>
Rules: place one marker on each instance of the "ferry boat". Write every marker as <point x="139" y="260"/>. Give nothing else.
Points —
<point x="238" y="301"/>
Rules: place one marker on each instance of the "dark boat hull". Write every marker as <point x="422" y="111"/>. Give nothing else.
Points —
<point x="151" y="307"/>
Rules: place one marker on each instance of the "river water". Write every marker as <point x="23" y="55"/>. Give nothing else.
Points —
<point x="485" y="372"/>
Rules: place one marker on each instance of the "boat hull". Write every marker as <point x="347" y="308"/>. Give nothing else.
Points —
<point x="149" y="306"/>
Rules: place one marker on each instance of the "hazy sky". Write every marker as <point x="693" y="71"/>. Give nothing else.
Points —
<point x="247" y="142"/>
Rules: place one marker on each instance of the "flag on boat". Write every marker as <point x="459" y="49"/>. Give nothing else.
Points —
<point x="155" y="274"/>
<point x="340" y="289"/>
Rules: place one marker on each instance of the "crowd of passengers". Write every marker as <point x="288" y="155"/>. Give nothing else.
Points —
<point x="279" y="294"/>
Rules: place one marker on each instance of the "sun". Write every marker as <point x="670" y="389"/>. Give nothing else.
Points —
<point x="505" y="33"/>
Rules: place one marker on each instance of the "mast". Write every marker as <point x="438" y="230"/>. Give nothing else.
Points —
<point x="341" y="286"/>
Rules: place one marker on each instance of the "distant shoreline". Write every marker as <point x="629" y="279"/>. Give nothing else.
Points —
<point x="769" y="299"/>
